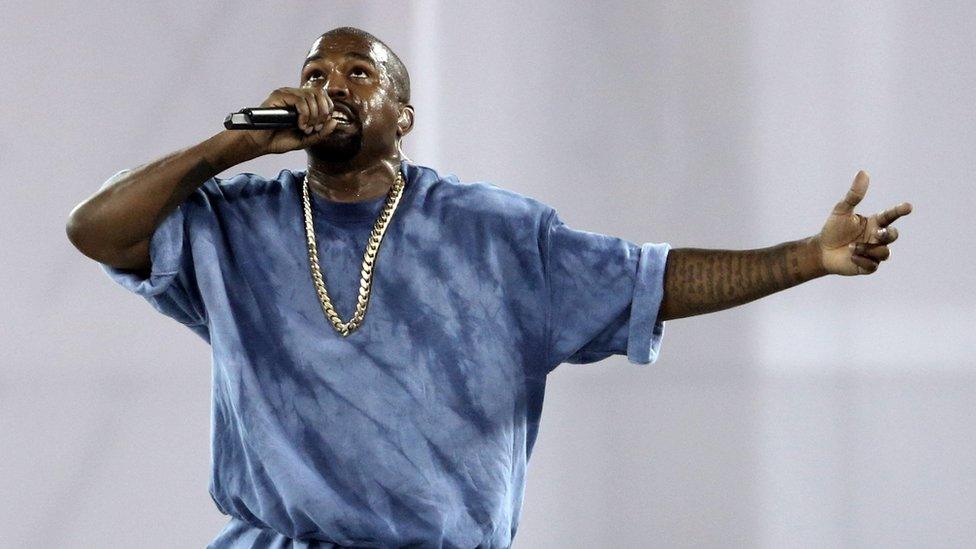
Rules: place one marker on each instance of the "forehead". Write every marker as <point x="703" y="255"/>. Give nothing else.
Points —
<point x="348" y="45"/>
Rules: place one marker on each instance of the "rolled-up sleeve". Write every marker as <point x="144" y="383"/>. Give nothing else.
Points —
<point x="645" y="331"/>
<point x="604" y="296"/>
<point x="171" y="286"/>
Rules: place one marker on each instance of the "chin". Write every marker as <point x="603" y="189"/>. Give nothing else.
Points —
<point x="338" y="148"/>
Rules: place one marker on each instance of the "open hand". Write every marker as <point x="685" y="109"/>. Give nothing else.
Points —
<point x="851" y="244"/>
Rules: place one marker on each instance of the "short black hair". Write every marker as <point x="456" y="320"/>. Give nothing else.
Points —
<point x="394" y="67"/>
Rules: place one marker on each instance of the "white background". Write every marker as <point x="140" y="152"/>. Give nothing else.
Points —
<point x="836" y="414"/>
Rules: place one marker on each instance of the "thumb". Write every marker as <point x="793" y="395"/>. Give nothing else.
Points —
<point x="858" y="189"/>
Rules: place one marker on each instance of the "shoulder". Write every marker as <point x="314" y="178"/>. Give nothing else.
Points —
<point x="243" y="186"/>
<point x="482" y="199"/>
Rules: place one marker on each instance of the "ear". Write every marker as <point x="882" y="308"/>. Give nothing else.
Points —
<point x="405" y="121"/>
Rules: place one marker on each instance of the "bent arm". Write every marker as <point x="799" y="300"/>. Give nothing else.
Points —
<point x="698" y="281"/>
<point x="114" y="225"/>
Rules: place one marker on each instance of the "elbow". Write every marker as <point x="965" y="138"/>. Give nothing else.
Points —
<point x="83" y="236"/>
<point x="75" y="230"/>
<point x="86" y="239"/>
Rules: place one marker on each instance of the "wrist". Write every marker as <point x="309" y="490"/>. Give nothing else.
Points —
<point x="230" y="148"/>
<point x="811" y="259"/>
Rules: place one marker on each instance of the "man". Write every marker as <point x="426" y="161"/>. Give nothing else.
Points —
<point x="382" y="334"/>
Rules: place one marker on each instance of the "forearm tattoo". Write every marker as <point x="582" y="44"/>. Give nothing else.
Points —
<point x="698" y="281"/>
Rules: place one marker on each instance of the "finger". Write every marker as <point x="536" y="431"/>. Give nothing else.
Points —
<point x="325" y="110"/>
<point x="888" y="216"/>
<point x="865" y="265"/>
<point x="301" y="106"/>
<point x="887" y="235"/>
<point x="313" y="108"/>
<point x="854" y="196"/>
<point x="328" y="102"/>
<point x="312" y="111"/>
<point x="877" y="252"/>
<point x="320" y="134"/>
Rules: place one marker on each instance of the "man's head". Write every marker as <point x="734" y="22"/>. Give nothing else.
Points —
<point x="364" y="76"/>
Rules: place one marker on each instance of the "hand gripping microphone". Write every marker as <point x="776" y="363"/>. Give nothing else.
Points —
<point x="262" y="118"/>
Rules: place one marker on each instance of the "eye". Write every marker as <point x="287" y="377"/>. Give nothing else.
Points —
<point x="359" y="72"/>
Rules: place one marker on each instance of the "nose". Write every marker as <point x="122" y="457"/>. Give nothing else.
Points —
<point x="336" y="86"/>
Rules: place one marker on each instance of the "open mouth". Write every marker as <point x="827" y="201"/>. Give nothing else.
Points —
<point x="342" y="116"/>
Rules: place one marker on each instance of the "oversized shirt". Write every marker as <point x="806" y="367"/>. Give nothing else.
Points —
<point x="415" y="430"/>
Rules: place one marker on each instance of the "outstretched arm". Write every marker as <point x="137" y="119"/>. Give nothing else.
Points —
<point x="698" y="281"/>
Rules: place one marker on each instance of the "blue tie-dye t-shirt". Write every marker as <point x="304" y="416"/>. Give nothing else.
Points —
<point x="415" y="430"/>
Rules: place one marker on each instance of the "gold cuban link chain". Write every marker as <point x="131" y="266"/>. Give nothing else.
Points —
<point x="369" y="258"/>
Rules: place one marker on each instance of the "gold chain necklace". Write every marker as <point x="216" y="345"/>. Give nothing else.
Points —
<point x="369" y="258"/>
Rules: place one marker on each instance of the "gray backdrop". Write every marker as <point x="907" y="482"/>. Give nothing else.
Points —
<point x="836" y="414"/>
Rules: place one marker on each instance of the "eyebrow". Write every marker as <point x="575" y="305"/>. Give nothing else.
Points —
<point x="356" y="55"/>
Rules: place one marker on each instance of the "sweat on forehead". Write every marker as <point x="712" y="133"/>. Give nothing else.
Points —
<point x="351" y="37"/>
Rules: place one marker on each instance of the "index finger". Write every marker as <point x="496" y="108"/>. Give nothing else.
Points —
<point x="888" y="216"/>
<point x="325" y="104"/>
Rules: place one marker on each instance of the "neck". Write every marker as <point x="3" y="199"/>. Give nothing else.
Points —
<point x="352" y="183"/>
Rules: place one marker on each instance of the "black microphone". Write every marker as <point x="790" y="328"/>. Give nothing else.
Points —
<point x="262" y="118"/>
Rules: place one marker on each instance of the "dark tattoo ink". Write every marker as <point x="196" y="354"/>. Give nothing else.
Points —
<point x="700" y="281"/>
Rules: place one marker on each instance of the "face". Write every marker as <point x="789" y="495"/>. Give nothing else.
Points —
<point x="353" y="72"/>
